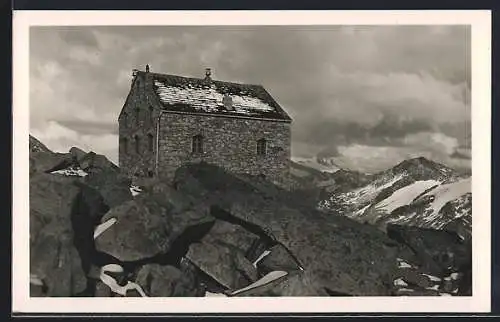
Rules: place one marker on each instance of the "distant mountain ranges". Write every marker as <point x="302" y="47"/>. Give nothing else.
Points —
<point x="416" y="192"/>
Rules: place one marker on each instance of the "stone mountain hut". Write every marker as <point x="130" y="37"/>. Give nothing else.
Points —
<point x="169" y="120"/>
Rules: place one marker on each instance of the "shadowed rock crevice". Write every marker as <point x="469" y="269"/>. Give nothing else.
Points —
<point x="265" y="241"/>
<point x="221" y="214"/>
<point x="87" y="210"/>
<point x="178" y="248"/>
<point x="334" y="293"/>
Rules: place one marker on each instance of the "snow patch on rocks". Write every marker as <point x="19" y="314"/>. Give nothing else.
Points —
<point x="71" y="172"/>
<point x="135" y="190"/>
<point x="400" y="282"/>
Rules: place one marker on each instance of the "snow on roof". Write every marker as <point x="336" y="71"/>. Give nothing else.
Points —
<point x="183" y="94"/>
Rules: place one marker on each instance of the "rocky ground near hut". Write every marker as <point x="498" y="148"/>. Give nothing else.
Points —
<point x="94" y="232"/>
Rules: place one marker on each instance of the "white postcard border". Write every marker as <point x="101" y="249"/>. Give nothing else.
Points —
<point x="480" y="21"/>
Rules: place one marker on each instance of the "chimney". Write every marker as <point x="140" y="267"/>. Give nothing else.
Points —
<point x="147" y="68"/>
<point x="208" y="73"/>
<point x="227" y="101"/>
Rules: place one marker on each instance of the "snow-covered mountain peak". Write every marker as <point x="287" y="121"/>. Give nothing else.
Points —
<point x="417" y="192"/>
<point x="316" y="164"/>
<point x="421" y="168"/>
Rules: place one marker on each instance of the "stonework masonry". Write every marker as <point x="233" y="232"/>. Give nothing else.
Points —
<point x="227" y="142"/>
<point x="138" y="120"/>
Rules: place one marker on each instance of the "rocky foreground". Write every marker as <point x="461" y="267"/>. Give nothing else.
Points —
<point x="94" y="232"/>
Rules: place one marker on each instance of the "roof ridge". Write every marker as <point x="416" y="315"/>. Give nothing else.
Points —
<point x="201" y="79"/>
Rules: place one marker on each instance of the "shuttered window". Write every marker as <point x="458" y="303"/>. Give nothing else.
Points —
<point x="197" y="144"/>
<point x="261" y="147"/>
<point x="125" y="119"/>
<point x="137" y="145"/>
<point x="150" y="142"/>
<point x="137" y="114"/>
<point x="124" y="145"/>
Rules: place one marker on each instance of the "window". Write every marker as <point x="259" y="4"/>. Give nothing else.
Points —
<point x="124" y="145"/>
<point x="150" y="142"/>
<point x="151" y="115"/>
<point x="137" y="144"/>
<point x="261" y="147"/>
<point x="198" y="144"/>
<point x="125" y="119"/>
<point x="137" y="114"/>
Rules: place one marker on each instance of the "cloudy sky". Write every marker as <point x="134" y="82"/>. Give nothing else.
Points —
<point x="367" y="96"/>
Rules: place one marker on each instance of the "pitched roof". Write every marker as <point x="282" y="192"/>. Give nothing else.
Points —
<point x="197" y="95"/>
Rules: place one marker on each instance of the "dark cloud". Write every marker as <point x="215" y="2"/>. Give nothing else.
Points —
<point x="76" y="36"/>
<point x="379" y="86"/>
<point x="459" y="130"/>
<point x="90" y="127"/>
<point x="461" y="154"/>
<point x="390" y="129"/>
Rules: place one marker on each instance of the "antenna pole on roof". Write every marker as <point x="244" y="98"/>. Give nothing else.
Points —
<point x="134" y="74"/>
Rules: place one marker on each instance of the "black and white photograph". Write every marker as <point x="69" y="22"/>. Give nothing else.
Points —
<point x="329" y="161"/>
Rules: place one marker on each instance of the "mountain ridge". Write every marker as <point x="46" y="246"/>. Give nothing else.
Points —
<point x="405" y="194"/>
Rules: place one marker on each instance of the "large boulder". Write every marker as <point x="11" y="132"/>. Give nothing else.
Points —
<point x="223" y="254"/>
<point x="226" y="233"/>
<point x="442" y="255"/>
<point x="54" y="258"/>
<point x="102" y="290"/>
<point x="278" y="259"/>
<point x="224" y="263"/>
<point x="339" y="254"/>
<point x="95" y="163"/>
<point x="438" y="251"/>
<point x="167" y="281"/>
<point x="57" y="263"/>
<point x="141" y="231"/>
<point x="154" y="223"/>
<point x="77" y="153"/>
<point x="111" y="185"/>
<point x="295" y="283"/>
<point x="45" y="161"/>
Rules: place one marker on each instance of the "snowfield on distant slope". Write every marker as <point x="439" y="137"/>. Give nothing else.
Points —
<point x="427" y="210"/>
<point x="405" y="195"/>
<point x="438" y="199"/>
<point x="369" y="192"/>
<point x="444" y="194"/>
